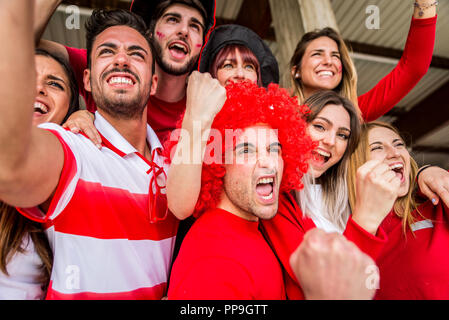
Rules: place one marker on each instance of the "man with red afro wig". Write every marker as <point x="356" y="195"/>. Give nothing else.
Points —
<point x="257" y="148"/>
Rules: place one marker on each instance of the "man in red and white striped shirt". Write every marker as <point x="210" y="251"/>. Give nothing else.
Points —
<point x="104" y="210"/>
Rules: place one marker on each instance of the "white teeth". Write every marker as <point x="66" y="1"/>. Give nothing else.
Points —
<point x="179" y="47"/>
<point x="120" y="80"/>
<point x="266" y="180"/>
<point x="325" y="73"/>
<point x="323" y="153"/>
<point x="397" y="166"/>
<point x="269" y="197"/>
<point x="41" y="106"/>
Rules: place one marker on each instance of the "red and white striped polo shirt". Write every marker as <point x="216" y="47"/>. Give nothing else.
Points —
<point x="103" y="243"/>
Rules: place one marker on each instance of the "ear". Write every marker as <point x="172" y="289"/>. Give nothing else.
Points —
<point x="153" y="85"/>
<point x="86" y="80"/>
<point x="295" y="73"/>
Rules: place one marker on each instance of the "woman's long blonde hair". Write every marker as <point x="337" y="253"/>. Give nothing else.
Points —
<point x="348" y="85"/>
<point x="404" y="206"/>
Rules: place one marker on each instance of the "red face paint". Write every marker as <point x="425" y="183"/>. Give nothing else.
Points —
<point x="340" y="69"/>
<point x="160" y="35"/>
<point x="199" y="45"/>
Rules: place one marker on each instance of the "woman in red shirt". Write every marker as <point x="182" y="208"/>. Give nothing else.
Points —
<point x="414" y="262"/>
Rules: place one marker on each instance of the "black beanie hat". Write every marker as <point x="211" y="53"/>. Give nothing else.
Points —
<point x="235" y="34"/>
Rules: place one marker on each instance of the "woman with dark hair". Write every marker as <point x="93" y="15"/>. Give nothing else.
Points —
<point x="414" y="262"/>
<point x="25" y="255"/>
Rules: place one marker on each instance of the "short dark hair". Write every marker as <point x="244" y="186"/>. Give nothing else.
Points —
<point x="102" y="19"/>
<point x="73" y="85"/>
<point x="163" y="5"/>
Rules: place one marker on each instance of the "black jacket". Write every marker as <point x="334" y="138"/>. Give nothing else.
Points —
<point x="235" y="34"/>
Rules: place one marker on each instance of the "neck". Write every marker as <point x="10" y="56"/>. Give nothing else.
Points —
<point x="133" y="130"/>
<point x="170" y="88"/>
<point x="227" y="205"/>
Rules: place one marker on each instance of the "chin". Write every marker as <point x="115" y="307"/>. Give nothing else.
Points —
<point x="266" y="213"/>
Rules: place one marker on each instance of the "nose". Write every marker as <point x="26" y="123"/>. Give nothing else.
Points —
<point x="327" y="59"/>
<point x="329" y="138"/>
<point x="183" y="29"/>
<point x="267" y="160"/>
<point x="392" y="152"/>
<point x="238" y="73"/>
<point x="40" y="88"/>
<point x="121" y="59"/>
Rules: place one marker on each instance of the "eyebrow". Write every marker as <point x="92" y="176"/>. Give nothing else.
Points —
<point x="247" y="144"/>
<point x="275" y="144"/>
<point x="329" y="122"/>
<point x="55" y="78"/>
<point x="244" y="144"/>
<point x="395" y="140"/>
<point x="130" y="48"/>
<point x="138" y="48"/>
<point x="322" y="50"/>
<point x="178" y="15"/>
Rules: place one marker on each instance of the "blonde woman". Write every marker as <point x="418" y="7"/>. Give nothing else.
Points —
<point x="414" y="262"/>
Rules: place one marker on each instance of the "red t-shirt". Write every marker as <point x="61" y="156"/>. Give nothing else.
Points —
<point x="286" y="231"/>
<point x="416" y="265"/>
<point x="225" y="257"/>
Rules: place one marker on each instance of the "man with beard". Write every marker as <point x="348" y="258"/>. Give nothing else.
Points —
<point x="178" y="29"/>
<point x="96" y="205"/>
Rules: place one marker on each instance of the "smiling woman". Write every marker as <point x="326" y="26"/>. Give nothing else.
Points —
<point x="25" y="255"/>
<point x="414" y="263"/>
<point x="57" y="90"/>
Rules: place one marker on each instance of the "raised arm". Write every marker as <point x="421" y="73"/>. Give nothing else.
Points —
<point x="43" y="10"/>
<point x="31" y="159"/>
<point x="412" y="66"/>
<point x="205" y="98"/>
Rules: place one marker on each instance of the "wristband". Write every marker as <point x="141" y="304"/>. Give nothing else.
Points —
<point x="422" y="169"/>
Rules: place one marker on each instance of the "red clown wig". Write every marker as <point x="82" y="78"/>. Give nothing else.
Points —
<point x="248" y="105"/>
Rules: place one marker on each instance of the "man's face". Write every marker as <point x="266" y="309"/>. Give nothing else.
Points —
<point x="178" y="38"/>
<point x="252" y="181"/>
<point x="121" y="77"/>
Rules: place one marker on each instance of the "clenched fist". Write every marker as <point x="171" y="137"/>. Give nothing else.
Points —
<point x="205" y="97"/>
<point x="377" y="189"/>
<point x="328" y="266"/>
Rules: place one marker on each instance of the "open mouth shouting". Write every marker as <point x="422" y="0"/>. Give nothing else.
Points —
<point x="320" y="156"/>
<point x="40" y="108"/>
<point x="398" y="168"/>
<point x="265" y="189"/>
<point x="178" y="49"/>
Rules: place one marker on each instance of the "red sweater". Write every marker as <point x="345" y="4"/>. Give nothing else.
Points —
<point x="287" y="229"/>
<point x="416" y="265"/>
<point x="225" y="257"/>
<point x="412" y="66"/>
